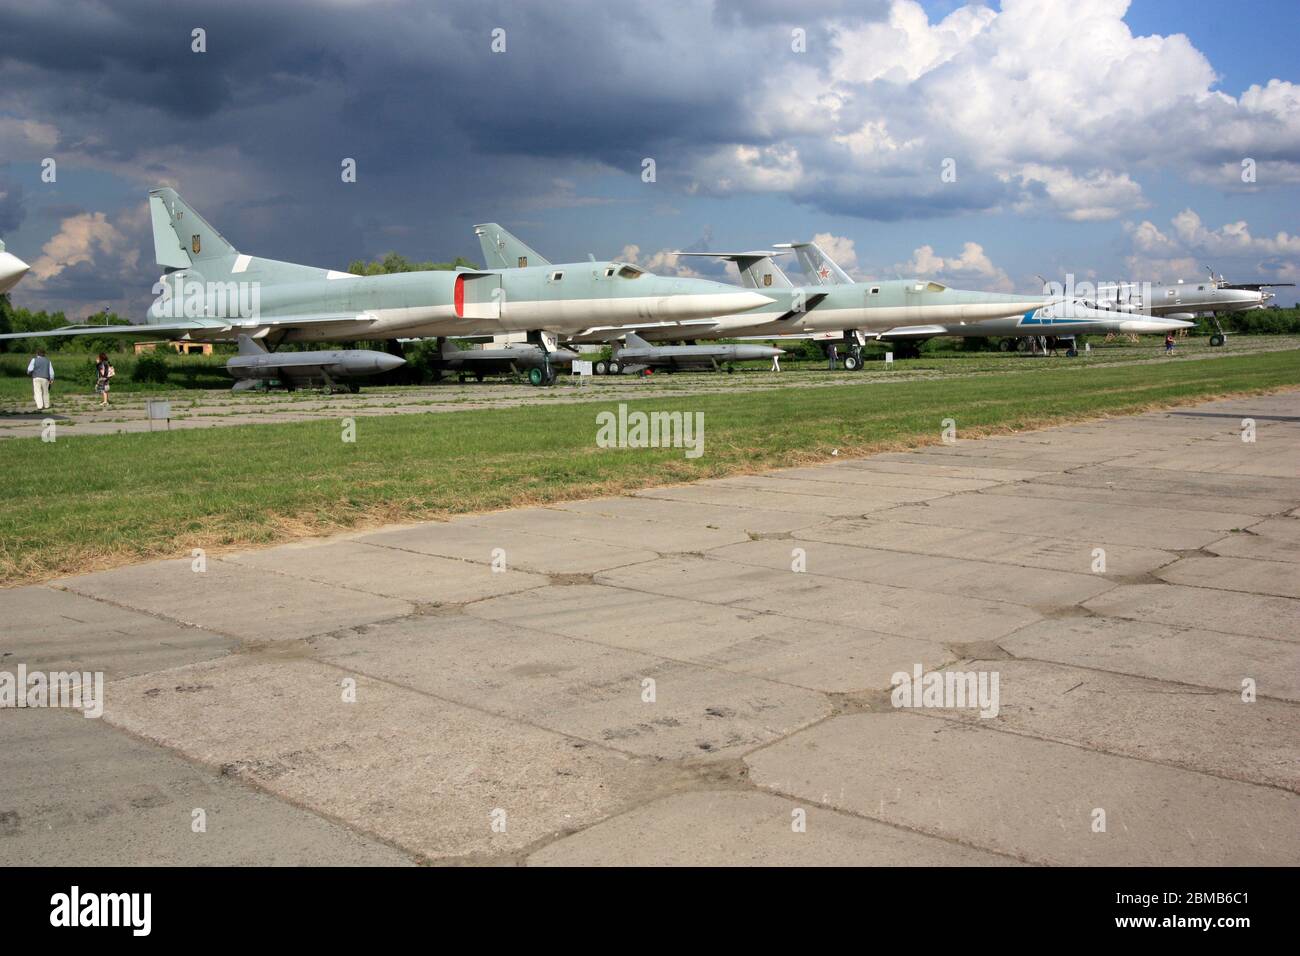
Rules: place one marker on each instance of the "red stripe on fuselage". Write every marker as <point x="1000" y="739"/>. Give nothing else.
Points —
<point x="459" y="297"/>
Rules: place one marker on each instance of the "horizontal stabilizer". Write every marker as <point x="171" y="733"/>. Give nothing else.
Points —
<point x="757" y="270"/>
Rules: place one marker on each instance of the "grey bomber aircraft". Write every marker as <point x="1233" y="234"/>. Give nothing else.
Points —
<point x="1058" y="319"/>
<point x="211" y="291"/>
<point x="11" y="269"/>
<point x="846" y="309"/>
<point x="254" y="365"/>
<point x="1185" y="300"/>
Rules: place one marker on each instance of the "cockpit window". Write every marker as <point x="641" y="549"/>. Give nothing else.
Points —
<point x="557" y="276"/>
<point x="935" y="287"/>
<point x="609" y="272"/>
<point x="630" y="272"/>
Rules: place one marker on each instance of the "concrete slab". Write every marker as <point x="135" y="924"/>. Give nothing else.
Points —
<point x="729" y="517"/>
<point x="827" y="487"/>
<point x="918" y="464"/>
<point x="658" y="536"/>
<point x="995" y="548"/>
<point x="540" y="554"/>
<point x="78" y="792"/>
<point x="1178" y="654"/>
<point x="1032" y="799"/>
<point x="48" y="629"/>
<point x="1182" y="725"/>
<point x="579" y="688"/>
<point x="1251" y="575"/>
<point x="743" y="497"/>
<point x="1076" y="520"/>
<point x="1231" y="456"/>
<point x="902" y="611"/>
<point x="729" y="828"/>
<point x="405" y="575"/>
<point x="821" y="657"/>
<point x="923" y="572"/>
<point x="850" y="472"/>
<point x="1251" y="614"/>
<point x="1277" y="539"/>
<point x="423" y="774"/>
<point x="1124" y="499"/>
<point x="236" y="601"/>
<point x="1124" y="476"/>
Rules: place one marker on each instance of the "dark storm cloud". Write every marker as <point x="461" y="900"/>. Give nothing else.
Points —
<point x="12" y="210"/>
<point x="444" y="131"/>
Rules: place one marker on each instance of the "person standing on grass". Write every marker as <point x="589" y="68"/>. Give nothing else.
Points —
<point x="776" y="363"/>
<point x="103" y="372"/>
<point x="42" y="373"/>
<point x="1169" y="344"/>
<point x="832" y="354"/>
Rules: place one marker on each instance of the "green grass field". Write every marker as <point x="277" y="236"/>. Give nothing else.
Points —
<point x="83" y="503"/>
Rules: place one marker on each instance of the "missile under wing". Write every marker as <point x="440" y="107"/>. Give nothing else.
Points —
<point x="255" y="364"/>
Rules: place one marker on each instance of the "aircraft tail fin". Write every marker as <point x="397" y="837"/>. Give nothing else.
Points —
<point x="501" y="250"/>
<point x="818" y="266"/>
<point x="758" y="270"/>
<point x="181" y="237"/>
<point x="250" y="346"/>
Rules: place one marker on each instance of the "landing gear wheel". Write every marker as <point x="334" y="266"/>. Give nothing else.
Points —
<point x="1217" y="339"/>
<point x="601" y="368"/>
<point x="1006" y="345"/>
<point x="536" y="376"/>
<point x="615" y="368"/>
<point x="852" y="363"/>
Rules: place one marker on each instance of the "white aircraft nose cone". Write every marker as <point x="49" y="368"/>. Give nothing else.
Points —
<point x="11" y="270"/>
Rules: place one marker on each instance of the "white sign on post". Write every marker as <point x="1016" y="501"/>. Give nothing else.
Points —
<point x="889" y="358"/>
<point x="158" y="411"/>
<point x="581" y="369"/>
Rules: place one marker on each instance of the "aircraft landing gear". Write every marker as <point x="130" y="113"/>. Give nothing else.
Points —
<point x="545" y="374"/>
<point x="1219" y="337"/>
<point x="853" y="361"/>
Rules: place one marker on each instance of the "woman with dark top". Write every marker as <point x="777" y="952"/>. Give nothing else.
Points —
<point x="103" y="372"/>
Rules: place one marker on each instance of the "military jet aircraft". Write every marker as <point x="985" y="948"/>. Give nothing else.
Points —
<point x="793" y="310"/>
<point x="254" y="365"/>
<point x="1060" y="319"/>
<point x="211" y="291"/>
<point x="636" y="355"/>
<point x="1185" y="300"/>
<point x="11" y="269"/>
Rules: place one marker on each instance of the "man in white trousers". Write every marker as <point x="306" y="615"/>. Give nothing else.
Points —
<point x="42" y="373"/>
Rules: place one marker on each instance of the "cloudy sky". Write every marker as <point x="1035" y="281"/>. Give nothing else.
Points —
<point x="980" y="145"/>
